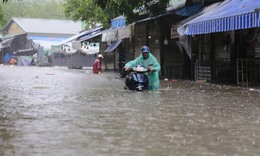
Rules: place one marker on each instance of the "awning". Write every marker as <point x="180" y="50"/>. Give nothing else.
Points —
<point x="6" y="43"/>
<point x="9" y="39"/>
<point x="13" y="36"/>
<point x="113" y="46"/>
<point x="181" y="26"/>
<point x="227" y="16"/>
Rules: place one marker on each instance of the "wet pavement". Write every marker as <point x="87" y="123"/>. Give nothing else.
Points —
<point x="58" y="111"/>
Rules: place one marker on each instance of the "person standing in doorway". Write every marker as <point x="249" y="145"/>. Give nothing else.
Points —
<point x="97" y="64"/>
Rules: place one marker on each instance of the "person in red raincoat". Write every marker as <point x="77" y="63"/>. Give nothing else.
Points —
<point x="97" y="65"/>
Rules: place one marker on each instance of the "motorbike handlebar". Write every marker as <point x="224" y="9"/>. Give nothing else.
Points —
<point x="132" y="69"/>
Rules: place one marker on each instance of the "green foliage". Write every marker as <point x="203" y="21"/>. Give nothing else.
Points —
<point x="90" y="11"/>
<point x="158" y="8"/>
<point x="50" y="9"/>
<point x="95" y="11"/>
<point x="2" y="19"/>
<point x="86" y="10"/>
<point x="34" y="9"/>
<point x="132" y="9"/>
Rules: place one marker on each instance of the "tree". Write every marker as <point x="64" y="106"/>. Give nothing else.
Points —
<point x="103" y="11"/>
<point x="34" y="9"/>
<point x="2" y="17"/>
<point x="133" y="8"/>
<point x="50" y="9"/>
<point x="87" y="11"/>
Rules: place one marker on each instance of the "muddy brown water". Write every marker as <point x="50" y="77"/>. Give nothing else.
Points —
<point x="58" y="111"/>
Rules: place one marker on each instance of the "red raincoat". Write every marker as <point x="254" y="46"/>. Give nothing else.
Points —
<point x="97" y="66"/>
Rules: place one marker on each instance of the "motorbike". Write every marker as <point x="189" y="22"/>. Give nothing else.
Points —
<point x="137" y="79"/>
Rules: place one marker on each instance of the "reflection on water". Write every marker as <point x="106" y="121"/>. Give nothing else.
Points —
<point x="57" y="111"/>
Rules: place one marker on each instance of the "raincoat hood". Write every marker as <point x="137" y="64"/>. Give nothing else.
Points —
<point x="142" y="57"/>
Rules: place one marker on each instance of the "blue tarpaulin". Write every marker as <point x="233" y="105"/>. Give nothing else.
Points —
<point x="227" y="16"/>
<point x="47" y="38"/>
<point x="8" y="57"/>
<point x="113" y="46"/>
<point x="188" y="11"/>
<point x="118" y="22"/>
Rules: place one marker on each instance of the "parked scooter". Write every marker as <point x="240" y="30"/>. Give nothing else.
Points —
<point x="137" y="79"/>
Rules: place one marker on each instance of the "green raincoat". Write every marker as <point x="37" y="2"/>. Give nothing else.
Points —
<point x="154" y="82"/>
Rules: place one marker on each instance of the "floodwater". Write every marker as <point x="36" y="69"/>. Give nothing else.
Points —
<point x="68" y="112"/>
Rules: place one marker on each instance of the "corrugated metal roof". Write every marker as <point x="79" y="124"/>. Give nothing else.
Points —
<point x="48" y="26"/>
<point x="13" y="35"/>
<point x="91" y="35"/>
<point x="80" y="35"/>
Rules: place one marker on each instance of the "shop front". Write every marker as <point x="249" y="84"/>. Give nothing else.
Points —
<point x="224" y="42"/>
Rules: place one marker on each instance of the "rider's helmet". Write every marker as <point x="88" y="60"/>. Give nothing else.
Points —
<point x="145" y="49"/>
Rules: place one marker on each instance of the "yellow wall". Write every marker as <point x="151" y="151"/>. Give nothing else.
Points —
<point x="14" y="29"/>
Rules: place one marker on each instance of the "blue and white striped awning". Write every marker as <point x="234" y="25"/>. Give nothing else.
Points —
<point x="226" y="16"/>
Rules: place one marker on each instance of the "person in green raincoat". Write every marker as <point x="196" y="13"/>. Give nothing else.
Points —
<point x="147" y="60"/>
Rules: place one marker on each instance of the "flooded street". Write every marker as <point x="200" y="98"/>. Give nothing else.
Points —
<point x="63" y="112"/>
